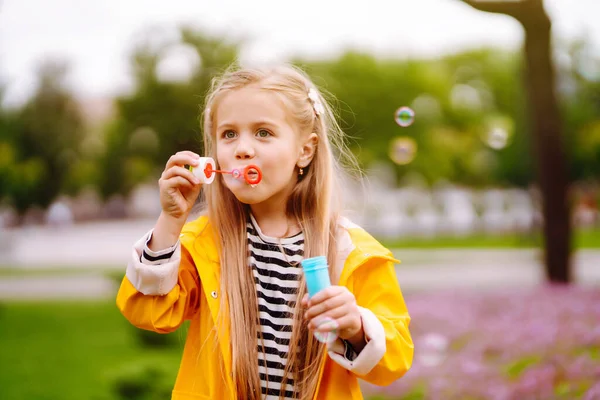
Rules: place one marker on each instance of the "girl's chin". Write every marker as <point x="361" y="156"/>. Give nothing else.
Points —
<point x="249" y="200"/>
<point x="247" y="194"/>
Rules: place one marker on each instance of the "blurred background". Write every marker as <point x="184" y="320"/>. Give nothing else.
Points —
<point x="476" y="123"/>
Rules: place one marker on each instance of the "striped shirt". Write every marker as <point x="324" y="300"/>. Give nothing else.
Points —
<point x="276" y="276"/>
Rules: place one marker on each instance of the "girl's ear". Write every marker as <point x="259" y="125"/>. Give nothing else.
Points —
<point x="307" y="150"/>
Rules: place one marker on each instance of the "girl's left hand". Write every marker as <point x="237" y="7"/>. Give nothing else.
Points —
<point x="337" y="303"/>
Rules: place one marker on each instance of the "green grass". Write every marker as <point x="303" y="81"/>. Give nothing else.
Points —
<point x="74" y="351"/>
<point x="70" y="351"/>
<point x="8" y="271"/>
<point x="584" y="239"/>
<point x="516" y="368"/>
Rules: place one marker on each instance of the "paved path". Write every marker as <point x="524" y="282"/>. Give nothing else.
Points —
<point x="486" y="269"/>
<point x="84" y="248"/>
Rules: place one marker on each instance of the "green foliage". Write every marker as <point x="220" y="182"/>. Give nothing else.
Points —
<point x="517" y="367"/>
<point x="159" y="118"/>
<point x="144" y="381"/>
<point x="40" y="143"/>
<point x="458" y="100"/>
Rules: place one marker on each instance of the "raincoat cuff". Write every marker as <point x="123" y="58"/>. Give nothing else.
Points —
<point x="156" y="277"/>
<point x="370" y="355"/>
<point x="153" y="257"/>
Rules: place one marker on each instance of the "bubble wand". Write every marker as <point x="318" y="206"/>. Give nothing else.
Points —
<point x="316" y="274"/>
<point x="206" y="172"/>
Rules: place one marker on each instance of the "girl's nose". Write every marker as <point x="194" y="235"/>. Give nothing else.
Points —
<point x="244" y="149"/>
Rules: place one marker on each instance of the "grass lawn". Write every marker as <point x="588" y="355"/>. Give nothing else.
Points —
<point x="531" y="344"/>
<point x="10" y="271"/>
<point x="69" y="351"/>
<point x="583" y="239"/>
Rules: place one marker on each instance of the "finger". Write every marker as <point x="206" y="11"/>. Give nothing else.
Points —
<point x="334" y="314"/>
<point x="327" y="305"/>
<point x="324" y="294"/>
<point x="180" y="171"/>
<point x="182" y="158"/>
<point x="178" y="182"/>
<point x="305" y="300"/>
<point x="349" y="323"/>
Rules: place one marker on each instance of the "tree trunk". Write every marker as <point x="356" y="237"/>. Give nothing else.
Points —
<point x="546" y="129"/>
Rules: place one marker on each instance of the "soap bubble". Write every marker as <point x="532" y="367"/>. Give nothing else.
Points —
<point x="178" y="64"/>
<point x="403" y="150"/>
<point x="405" y="116"/>
<point x="496" y="137"/>
<point x="497" y="132"/>
<point x="433" y="349"/>
<point x="329" y="336"/>
<point x="466" y="97"/>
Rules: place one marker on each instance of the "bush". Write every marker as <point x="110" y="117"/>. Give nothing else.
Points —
<point x="144" y="381"/>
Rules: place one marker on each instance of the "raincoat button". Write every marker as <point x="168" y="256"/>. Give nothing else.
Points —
<point x="214" y="294"/>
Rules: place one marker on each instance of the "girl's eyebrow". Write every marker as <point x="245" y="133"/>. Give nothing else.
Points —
<point x="261" y="122"/>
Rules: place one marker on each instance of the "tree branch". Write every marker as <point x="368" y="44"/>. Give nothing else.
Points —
<point x="514" y="8"/>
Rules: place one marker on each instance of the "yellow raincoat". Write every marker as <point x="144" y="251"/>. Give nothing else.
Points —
<point x="368" y="272"/>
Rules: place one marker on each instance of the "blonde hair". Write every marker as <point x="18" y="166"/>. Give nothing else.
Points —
<point x="314" y="203"/>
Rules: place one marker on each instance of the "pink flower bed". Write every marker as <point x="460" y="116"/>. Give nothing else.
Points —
<point x="513" y="344"/>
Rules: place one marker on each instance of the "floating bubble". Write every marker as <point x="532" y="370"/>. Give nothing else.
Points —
<point x="465" y="97"/>
<point x="405" y="116"/>
<point x="587" y="64"/>
<point x="433" y="349"/>
<point x="497" y="132"/>
<point x="178" y="64"/>
<point x="496" y="137"/>
<point x="403" y="150"/>
<point x="331" y="334"/>
<point x="144" y="139"/>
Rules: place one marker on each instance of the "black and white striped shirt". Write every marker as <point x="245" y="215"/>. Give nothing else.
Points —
<point x="276" y="276"/>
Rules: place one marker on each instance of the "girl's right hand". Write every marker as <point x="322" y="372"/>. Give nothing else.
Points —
<point x="179" y="188"/>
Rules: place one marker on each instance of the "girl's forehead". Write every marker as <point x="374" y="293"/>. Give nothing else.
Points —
<point x="250" y="104"/>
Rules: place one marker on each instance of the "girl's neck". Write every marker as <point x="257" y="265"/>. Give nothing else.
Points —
<point x="274" y="224"/>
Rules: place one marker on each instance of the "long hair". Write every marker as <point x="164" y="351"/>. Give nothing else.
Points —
<point x="316" y="212"/>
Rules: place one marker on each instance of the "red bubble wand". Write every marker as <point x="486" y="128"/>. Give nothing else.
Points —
<point x="206" y="172"/>
<point x="251" y="173"/>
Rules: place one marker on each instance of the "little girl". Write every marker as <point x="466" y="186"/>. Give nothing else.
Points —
<point x="235" y="271"/>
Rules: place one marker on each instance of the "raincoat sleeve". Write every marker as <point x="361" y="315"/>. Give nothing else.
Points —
<point x="389" y="351"/>
<point x="159" y="296"/>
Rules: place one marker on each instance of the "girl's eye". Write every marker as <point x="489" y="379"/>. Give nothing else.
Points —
<point x="229" y="134"/>
<point x="263" y="133"/>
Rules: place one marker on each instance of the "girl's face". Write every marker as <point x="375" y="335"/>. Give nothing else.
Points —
<point x="252" y="127"/>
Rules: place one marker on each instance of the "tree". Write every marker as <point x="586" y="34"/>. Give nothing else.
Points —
<point x="546" y="128"/>
<point x="44" y="141"/>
